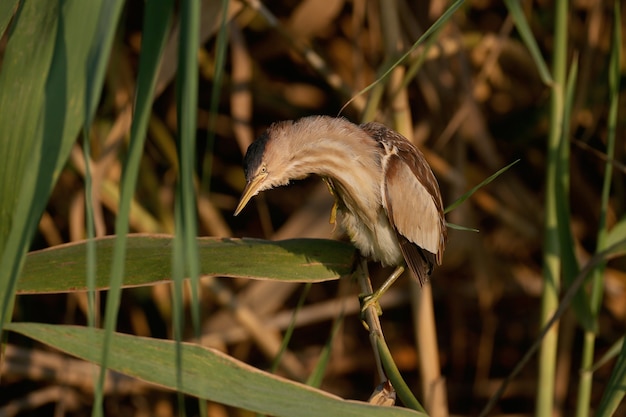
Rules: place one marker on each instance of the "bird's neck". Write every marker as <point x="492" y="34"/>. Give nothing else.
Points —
<point x="349" y="157"/>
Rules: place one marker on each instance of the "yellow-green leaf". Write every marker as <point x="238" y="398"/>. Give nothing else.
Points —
<point x="148" y="260"/>
<point x="206" y="373"/>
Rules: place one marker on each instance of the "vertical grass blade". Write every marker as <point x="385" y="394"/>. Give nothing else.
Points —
<point x="515" y="8"/>
<point x="156" y="23"/>
<point x="106" y="25"/>
<point x="99" y="55"/>
<point x="551" y="257"/>
<point x="185" y="256"/>
<point x="187" y="99"/>
<point x="316" y="377"/>
<point x="91" y="259"/>
<point x="289" y="330"/>
<point x="220" y="64"/>
<point x="614" y="394"/>
<point x="616" y="388"/>
<point x="96" y="69"/>
<point x="570" y="267"/>
<point x="614" y="91"/>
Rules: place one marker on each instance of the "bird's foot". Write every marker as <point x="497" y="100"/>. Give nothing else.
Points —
<point x="367" y="301"/>
<point x="371" y="300"/>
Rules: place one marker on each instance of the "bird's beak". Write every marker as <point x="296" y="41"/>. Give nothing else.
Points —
<point x="252" y="189"/>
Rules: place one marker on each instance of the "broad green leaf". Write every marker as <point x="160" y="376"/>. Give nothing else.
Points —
<point x="7" y="7"/>
<point x="206" y="373"/>
<point x="148" y="260"/>
<point x="27" y="58"/>
<point x="42" y="80"/>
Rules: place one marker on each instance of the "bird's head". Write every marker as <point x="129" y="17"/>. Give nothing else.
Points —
<point x="269" y="162"/>
<point x="292" y="150"/>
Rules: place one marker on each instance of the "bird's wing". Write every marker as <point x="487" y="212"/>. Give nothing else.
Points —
<point x="412" y="200"/>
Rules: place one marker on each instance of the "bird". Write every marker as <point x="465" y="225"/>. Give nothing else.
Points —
<point x="385" y="192"/>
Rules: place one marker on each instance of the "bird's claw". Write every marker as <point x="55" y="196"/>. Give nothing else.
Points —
<point x="367" y="301"/>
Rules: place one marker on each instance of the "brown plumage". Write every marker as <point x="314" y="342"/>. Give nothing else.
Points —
<point x="385" y="191"/>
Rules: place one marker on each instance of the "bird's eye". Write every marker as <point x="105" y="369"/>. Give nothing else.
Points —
<point x="263" y="169"/>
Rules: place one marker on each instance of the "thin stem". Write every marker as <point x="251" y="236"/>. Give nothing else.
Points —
<point x="551" y="257"/>
<point x="584" y="392"/>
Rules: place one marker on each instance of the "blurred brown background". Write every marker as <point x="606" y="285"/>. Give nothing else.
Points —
<point x="475" y="105"/>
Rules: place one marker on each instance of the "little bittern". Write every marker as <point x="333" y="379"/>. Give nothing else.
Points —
<point x="384" y="189"/>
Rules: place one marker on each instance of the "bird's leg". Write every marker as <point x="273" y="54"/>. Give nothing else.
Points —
<point x="384" y="394"/>
<point x="372" y="299"/>
<point x="370" y="315"/>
